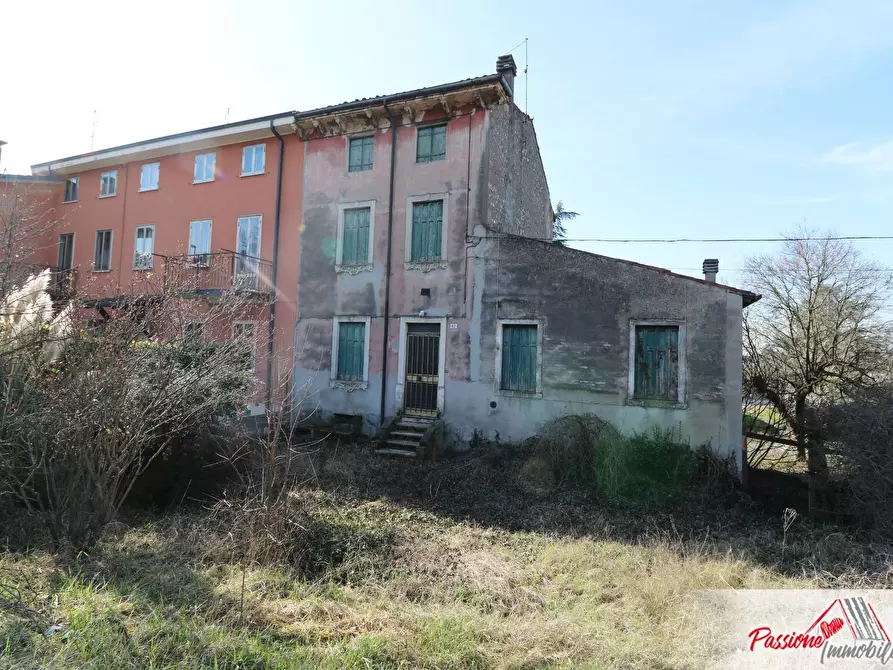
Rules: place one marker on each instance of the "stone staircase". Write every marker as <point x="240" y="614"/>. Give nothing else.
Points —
<point x="408" y="437"/>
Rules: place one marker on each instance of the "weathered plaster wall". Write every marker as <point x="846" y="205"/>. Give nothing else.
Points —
<point x="325" y="292"/>
<point x="584" y="303"/>
<point x="514" y="191"/>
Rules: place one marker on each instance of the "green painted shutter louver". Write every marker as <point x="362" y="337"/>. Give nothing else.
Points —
<point x="355" y="244"/>
<point x="427" y="223"/>
<point x="519" y="358"/>
<point x="657" y="363"/>
<point x="431" y="144"/>
<point x="360" y="155"/>
<point x="351" y="355"/>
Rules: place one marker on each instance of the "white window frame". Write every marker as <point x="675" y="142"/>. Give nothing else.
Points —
<point x="213" y="155"/>
<point x="151" y="255"/>
<point x="77" y="188"/>
<point x="253" y="325"/>
<point x="189" y="240"/>
<point x="444" y="228"/>
<point x="497" y="382"/>
<point x="681" y="382"/>
<point x="263" y="165"/>
<point x="401" y="361"/>
<point x="348" y="385"/>
<point x="111" y="248"/>
<point x="339" y="241"/>
<point x="157" y="166"/>
<point x="111" y="174"/>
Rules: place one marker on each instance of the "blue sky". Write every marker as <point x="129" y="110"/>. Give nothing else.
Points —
<point x="685" y="118"/>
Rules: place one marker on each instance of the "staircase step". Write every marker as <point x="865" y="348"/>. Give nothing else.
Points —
<point x="407" y="453"/>
<point x="413" y="425"/>
<point x="402" y="444"/>
<point x="412" y="434"/>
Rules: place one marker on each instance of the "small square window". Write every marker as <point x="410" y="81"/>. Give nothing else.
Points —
<point x="143" y="247"/>
<point x="519" y="356"/>
<point x="431" y="144"/>
<point x="253" y="159"/>
<point x="71" y="190"/>
<point x="427" y="231"/>
<point x="149" y="176"/>
<point x="360" y="154"/>
<point x="102" y="252"/>
<point x="656" y="363"/>
<point x="204" y="168"/>
<point x="108" y="184"/>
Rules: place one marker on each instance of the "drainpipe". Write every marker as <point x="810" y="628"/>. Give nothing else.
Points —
<point x="387" y="270"/>
<point x="272" y="321"/>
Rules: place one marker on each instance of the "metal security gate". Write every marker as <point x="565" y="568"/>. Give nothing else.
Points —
<point x="422" y="369"/>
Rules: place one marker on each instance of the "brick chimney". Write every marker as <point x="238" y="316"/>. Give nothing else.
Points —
<point x="505" y="65"/>
<point x="710" y="267"/>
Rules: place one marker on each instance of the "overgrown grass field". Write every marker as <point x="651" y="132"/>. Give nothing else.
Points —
<point x="492" y="561"/>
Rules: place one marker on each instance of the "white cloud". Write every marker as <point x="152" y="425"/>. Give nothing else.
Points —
<point x="878" y="157"/>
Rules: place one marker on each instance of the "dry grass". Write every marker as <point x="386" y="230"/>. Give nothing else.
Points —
<point x="457" y="565"/>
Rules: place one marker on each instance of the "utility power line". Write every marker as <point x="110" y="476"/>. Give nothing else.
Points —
<point x="654" y="240"/>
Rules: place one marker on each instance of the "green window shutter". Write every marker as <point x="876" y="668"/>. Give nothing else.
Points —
<point x="355" y="243"/>
<point x="519" y="358"/>
<point x="431" y="144"/>
<point x="351" y="351"/>
<point x="657" y="363"/>
<point x="427" y="224"/>
<point x="360" y="154"/>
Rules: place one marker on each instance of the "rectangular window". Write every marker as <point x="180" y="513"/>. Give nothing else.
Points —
<point x="431" y="144"/>
<point x="149" y="176"/>
<point x="656" y="363"/>
<point x="108" y="184"/>
<point x="66" y="251"/>
<point x="243" y="339"/>
<point x="193" y="331"/>
<point x="355" y="240"/>
<point x="71" y="190"/>
<point x="102" y="253"/>
<point x="360" y="154"/>
<point x="143" y="248"/>
<point x="253" y="159"/>
<point x="427" y="221"/>
<point x="519" y="343"/>
<point x="204" y="168"/>
<point x="351" y="351"/>
<point x="200" y="241"/>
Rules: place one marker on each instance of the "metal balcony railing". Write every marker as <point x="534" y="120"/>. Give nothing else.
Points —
<point x="219" y="272"/>
<point x="63" y="281"/>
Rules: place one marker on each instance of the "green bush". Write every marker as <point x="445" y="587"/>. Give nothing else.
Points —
<point x="642" y="469"/>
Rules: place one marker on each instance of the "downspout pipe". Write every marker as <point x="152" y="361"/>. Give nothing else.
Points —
<point x="272" y="321"/>
<point x="387" y="270"/>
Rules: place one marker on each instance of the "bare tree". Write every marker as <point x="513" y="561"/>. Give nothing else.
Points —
<point x="818" y="334"/>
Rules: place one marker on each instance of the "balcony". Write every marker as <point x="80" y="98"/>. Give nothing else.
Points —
<point x="63" y="281"/>
<point x="219" y="273"/>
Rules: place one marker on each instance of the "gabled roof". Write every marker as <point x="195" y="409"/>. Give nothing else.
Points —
<point x="251" y="129"/>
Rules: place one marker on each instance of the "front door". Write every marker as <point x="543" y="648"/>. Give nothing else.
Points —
<point x="62" y="278"/>
<point x="422" y="369"/>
